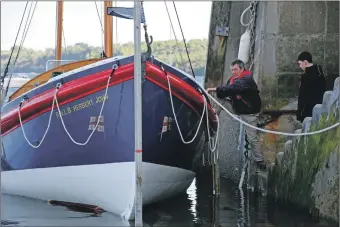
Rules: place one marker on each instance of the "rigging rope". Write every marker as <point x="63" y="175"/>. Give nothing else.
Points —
<point x="101" y="24"/>
<point x="10" y="57"/>
<point x="100" y="19"/>
<point x="173" y="30"/>
<point x="25" y="31"/>
<point x="185" y="44"/>
<point x="64" y="41"/>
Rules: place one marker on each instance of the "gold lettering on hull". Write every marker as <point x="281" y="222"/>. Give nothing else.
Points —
<point x="80" y="106"/>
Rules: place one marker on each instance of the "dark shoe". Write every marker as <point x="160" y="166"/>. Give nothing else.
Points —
<point x="261" y="165"/>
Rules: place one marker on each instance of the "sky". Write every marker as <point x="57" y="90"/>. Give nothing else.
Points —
<point x="82" y="24"/>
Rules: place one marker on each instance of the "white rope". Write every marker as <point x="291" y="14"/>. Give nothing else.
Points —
<point x="242" y="15"/>
<point x="205" y="110"/>
<point x="48" y="125"/>
<point x="173" y="112"/>
<point x="269" y="131"/>
<point x="212" y="147"/>
<point x="100" y="114"/>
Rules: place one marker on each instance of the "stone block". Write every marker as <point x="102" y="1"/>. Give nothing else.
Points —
<point x="269" y="55"/>
<point x="326" y="98"/>
<point x="318" y="49"/>
<point x="332" y="16"/>
<point x="236" y="29"/>
<point x="318" y="110"/>
<point x="262" y="182"/>
<point x="332" y="53"/>
<point x="272" y="16"/>
<point x="306" y="124"/>
<point x="336" y="83"/>
<point x="296" y="138"/>
<point x="294" y="17"/>
<point x="287" y="51"/>
<point x="288" y="85"/>
<point x="278" y="159"/>
<point x="268" y="91"/>
<point x="288" y="146"/>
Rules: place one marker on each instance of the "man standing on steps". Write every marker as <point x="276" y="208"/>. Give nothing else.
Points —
<point x="312" y="86"/>
<point x="243" y="93"/>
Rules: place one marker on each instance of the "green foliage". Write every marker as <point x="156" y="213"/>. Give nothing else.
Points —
<point x="34" y="61"/>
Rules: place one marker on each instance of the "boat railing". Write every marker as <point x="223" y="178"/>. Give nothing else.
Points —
<point x="60" y="62"/>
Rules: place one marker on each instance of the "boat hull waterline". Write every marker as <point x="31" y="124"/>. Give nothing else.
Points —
<point x="102" y="172"/>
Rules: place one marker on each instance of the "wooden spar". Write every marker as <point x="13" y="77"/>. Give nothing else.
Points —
<point x="108" y="33"/>
<point x="59" y="31"/>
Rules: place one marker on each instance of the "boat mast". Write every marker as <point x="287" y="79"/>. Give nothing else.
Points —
<point x="108" y="33"/>
<point x="138" y="113"/>
<point x="60" y="6"/>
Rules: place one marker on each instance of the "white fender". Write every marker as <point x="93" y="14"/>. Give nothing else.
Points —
<point x="243" y="51"/>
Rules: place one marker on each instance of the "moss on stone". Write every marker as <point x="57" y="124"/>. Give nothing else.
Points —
<point x="311" y="151"/>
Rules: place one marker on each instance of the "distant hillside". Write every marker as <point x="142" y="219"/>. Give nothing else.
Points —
<point x="34" y="61"/>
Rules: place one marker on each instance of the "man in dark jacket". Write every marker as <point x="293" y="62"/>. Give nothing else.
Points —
<point x="243" y="92"/>
<point x="312" y="86"/>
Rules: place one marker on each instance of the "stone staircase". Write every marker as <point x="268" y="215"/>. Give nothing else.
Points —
<point x="306" y="173"/>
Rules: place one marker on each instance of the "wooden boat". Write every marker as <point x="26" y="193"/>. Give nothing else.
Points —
<point x="71" y="138"/>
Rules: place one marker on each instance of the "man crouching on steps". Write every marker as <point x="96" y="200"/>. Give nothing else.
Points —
<point x="243" y="92"/>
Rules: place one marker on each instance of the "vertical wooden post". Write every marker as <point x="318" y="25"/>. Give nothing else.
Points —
<point x="59" y="32"/>
<point x="217" y="47"/>
<point x="108" y="30"/>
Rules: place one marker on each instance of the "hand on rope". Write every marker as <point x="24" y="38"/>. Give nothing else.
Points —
<point x="269" y="131"/>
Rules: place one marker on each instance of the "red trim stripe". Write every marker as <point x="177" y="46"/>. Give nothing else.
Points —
<point x="88" y="85"/>
<point x="68" y="92"/>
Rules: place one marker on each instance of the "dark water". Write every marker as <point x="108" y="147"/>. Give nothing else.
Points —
<point x="195" y="208"/>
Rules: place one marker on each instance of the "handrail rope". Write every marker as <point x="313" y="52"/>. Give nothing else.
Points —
<point x="173" y="30"/>
<point x="270" y="131"/>
<point x="15" y="41"/>
<point x="100" y="113"/>
<point x="48" y="125"/>
<point x="185" y="44"/>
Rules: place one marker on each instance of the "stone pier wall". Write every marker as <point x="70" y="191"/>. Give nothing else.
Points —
<point x="283" y="30"/>
<point x="306" y="173"/>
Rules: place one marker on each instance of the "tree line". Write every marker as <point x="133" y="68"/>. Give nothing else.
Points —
<point x="31" y="60"/>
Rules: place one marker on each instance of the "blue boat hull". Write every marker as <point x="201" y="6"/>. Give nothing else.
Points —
<point x="115" y="143"/>
<point x="102" y="172"/>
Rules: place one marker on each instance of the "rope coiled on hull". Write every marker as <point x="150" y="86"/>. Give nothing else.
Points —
<point x="55" y="99"/>
<point x="212" y="145"/>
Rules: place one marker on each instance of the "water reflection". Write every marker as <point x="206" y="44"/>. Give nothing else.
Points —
<point x="195" y="208"/>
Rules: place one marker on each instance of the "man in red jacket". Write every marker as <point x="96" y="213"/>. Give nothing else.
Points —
<point x="243" y="92"/>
